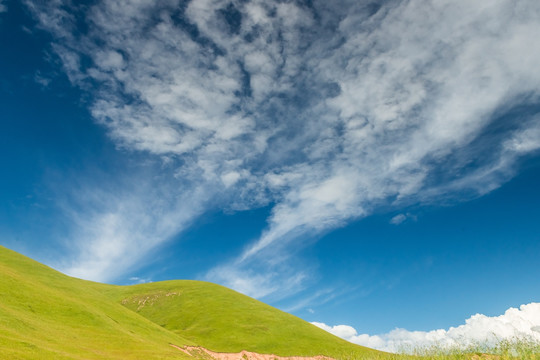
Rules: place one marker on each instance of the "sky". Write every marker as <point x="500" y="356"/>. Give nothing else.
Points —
<point x="369" y="166"/>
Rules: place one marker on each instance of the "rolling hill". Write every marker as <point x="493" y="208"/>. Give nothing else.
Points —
<point x="45" y="314"/>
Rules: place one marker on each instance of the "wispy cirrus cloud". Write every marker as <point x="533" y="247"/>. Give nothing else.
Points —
<point x="521" y="324"/>
<point x="327" y="111"/>
<point x="115" y="223"/>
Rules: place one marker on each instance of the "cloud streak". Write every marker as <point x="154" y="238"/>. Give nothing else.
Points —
<point x="514" y="324"/>
<point x="117" y="222"/>
<point x="327" y="111"/>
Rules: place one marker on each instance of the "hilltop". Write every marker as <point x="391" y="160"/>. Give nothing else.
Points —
<point x="45" y="314"/>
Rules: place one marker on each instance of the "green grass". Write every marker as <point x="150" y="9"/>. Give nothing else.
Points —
<point x="47" y="315"/>
<point x="221" y="319"/>
<point x="513" y="349"/>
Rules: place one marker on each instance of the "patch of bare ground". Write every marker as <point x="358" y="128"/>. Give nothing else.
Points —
<point x="202" y="353"/>
<point x="144" y="300"/>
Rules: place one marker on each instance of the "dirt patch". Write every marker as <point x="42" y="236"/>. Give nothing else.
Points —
<point x="200" y="352"/>
<point x="147" y="300"/>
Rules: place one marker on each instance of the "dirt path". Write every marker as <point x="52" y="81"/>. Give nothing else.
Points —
<point x="200" y="352"/>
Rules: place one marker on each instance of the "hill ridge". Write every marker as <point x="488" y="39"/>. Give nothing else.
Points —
<point x="48" y="315"/>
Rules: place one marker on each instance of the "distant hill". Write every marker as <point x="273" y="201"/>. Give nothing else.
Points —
<point x="45" y="314"/>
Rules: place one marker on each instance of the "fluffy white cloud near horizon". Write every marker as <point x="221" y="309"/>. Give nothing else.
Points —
<point x="514" y="324"/>
<point x="327" y="111"/>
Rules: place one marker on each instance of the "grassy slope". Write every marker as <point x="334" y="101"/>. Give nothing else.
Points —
<point x="221" y="319"/>
<point x="47" y="315"/>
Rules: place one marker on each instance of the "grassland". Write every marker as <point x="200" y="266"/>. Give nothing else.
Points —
<point x="219" y="318"/>
<point x="45" y="314"/>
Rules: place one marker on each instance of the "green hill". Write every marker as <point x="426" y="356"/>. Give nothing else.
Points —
<point x="216" y="317"/>
<point x="45" y="314"/>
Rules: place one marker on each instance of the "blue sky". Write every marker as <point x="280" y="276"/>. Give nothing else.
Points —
<point x="370" y="164"/>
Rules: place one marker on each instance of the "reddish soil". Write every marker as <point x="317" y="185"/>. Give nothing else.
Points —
<point x="200" y="352"/>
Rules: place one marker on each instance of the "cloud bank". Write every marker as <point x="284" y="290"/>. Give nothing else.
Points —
<point x="522" y="323"/>
<point x="327" y="111"/>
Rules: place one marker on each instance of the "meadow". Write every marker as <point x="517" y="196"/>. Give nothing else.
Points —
<point x="514" y="349"/>
<point x="45" y="314"/>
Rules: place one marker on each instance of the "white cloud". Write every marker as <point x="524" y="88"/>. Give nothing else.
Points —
<point x="424" y="85"/>
<point x="522" y="323"/>
<point x="115" y="226"/>
<point x="3" y="7"/>
<point x="138" y="280"/>
<point x="398" y="219"/>
<point x="524" y="141"/>
<point x="44" y="81"/>
<point x="110" y="60"/>
<point x="259" y="280"/>
<point x="327" y="111"/>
